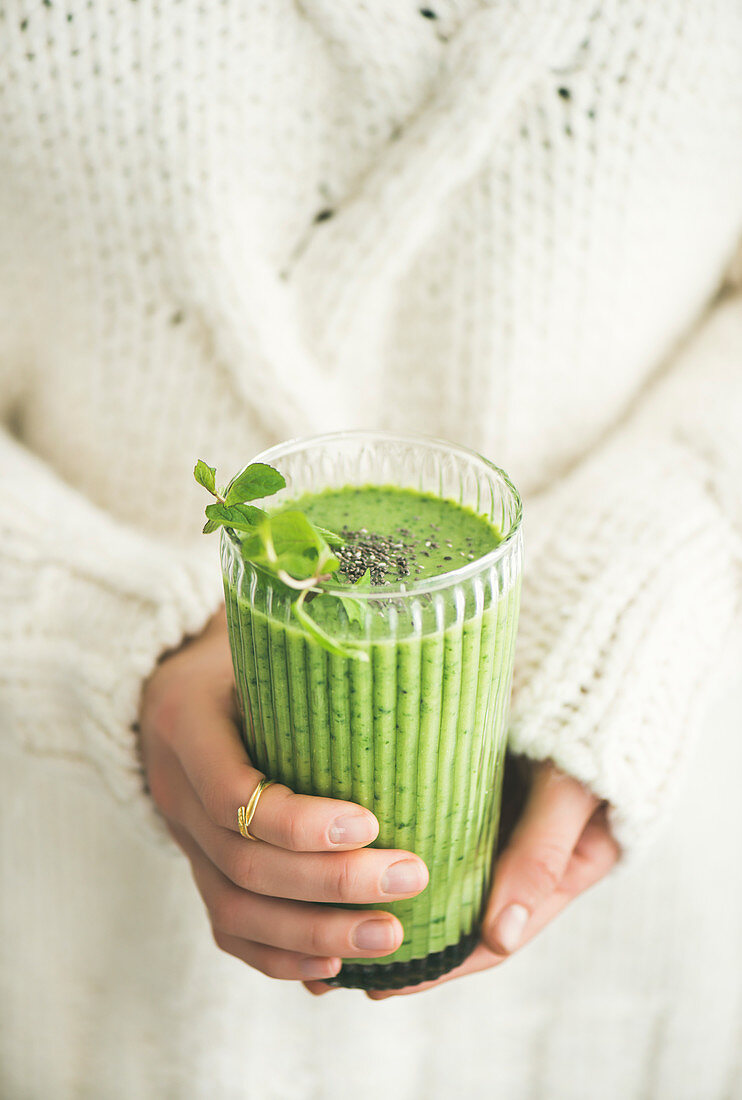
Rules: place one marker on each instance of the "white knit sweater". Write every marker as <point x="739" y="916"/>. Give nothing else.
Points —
<point x="224" y="224"/>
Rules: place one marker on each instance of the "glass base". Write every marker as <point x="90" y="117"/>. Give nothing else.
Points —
<point x="401" y="974"/>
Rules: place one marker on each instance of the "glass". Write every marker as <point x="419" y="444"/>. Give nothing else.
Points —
<point x="417" y="733"/>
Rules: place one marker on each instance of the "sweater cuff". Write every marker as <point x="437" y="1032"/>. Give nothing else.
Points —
<point x="89" y="606"/>
<point x="629" y="599"/>
<point x="88" y="674"/>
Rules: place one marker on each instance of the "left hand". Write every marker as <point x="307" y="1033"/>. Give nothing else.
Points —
<point x="560" y="846"/>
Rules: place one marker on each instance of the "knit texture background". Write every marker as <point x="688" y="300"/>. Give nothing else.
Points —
<point x="503" y="224"/>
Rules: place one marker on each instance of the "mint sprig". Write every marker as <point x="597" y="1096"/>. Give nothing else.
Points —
<point x="241" y="516"/>
<point x="256" y="480"/>
<point x="206" y="476"/>
<point x="355" y="609"/>
<point x="232" y="508"/>
<point x="287" y="545"/>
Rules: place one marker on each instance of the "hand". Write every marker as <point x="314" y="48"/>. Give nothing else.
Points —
<point x="560" y="846"/>
<point x="263" y="896"/>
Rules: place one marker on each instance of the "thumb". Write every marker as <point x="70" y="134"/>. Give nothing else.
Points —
<point x="534" y="863"/>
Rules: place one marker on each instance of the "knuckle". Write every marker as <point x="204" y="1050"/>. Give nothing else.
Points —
<point x="269" y="966"/>
<point x="317" y="939"/>
<point x="240" y="867"/>
<point x="296" y="832"/>
<point x="545" y="869"/>
<point x="345" y="880"/>
<point x="221" y="940"/>
<point x="211" y="793"/>
<point x="224" y="910"/>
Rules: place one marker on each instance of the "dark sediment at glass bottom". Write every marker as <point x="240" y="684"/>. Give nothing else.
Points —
<point x="401" y="974"/>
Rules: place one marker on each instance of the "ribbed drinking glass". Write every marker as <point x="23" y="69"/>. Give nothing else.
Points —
<point x="417" y="732"/>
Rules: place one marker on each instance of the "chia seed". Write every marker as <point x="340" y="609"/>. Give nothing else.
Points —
<point x="365" y="550"/>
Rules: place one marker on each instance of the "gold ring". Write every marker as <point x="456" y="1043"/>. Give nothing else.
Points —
<point x="246" y="813"/>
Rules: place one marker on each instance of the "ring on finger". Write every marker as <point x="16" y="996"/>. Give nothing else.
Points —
<point x="246" y="813"/>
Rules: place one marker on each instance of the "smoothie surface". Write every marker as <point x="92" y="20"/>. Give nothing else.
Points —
<point x="398" y="534"/>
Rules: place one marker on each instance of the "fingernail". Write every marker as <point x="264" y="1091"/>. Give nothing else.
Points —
<point x="352" y="829"/>
<point x="313" y="968"/>
<point x="375" y="935"/>
<point x="509" y="927"/>
<point x="403" y="878"/>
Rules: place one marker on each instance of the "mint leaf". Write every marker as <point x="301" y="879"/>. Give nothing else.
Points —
<point x="297" y="567"/>
<point x="243" y="517"/>
<point x="329" y="536"/>
<point x="356" y="609"/>
<point x="353" y="609"/>
<point x="205" y="475"/>
<point x="293" y="532"/>
<point x="295" y="551"/>
<point x="287" y="543"/>
<point x="325" y="640"/>
<point x="255" y="481"/>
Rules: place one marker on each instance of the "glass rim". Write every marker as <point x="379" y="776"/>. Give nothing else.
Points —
<point x="402" y="589"/>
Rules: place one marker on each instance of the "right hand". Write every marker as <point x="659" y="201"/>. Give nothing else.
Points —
<point x="264" y="897"/>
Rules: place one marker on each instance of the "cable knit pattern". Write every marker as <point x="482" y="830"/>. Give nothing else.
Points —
<point x="625" y="590"/>
<point x="94" y="606"/>
<point x="227" y="223"/>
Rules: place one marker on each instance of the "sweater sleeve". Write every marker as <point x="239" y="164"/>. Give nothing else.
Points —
<point x="633" y="587"/>
<point x="87" y="605"/>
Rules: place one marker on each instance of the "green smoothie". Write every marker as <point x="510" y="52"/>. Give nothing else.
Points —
<point x="415" y="732"/>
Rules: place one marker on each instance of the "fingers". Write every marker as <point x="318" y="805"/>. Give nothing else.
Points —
<point x="188" y="710"/>
<point x="534" y="864"/>
<point x="279" y="937"/>
<point x="595" y="853"/>
<point x="279" y="964"/>
<point x="482" y="958"/>
<point x="293" y="926"/>
<point x="539" y="866"/>
<point x="209" y="748"/>
<point x="361" y="877"/>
